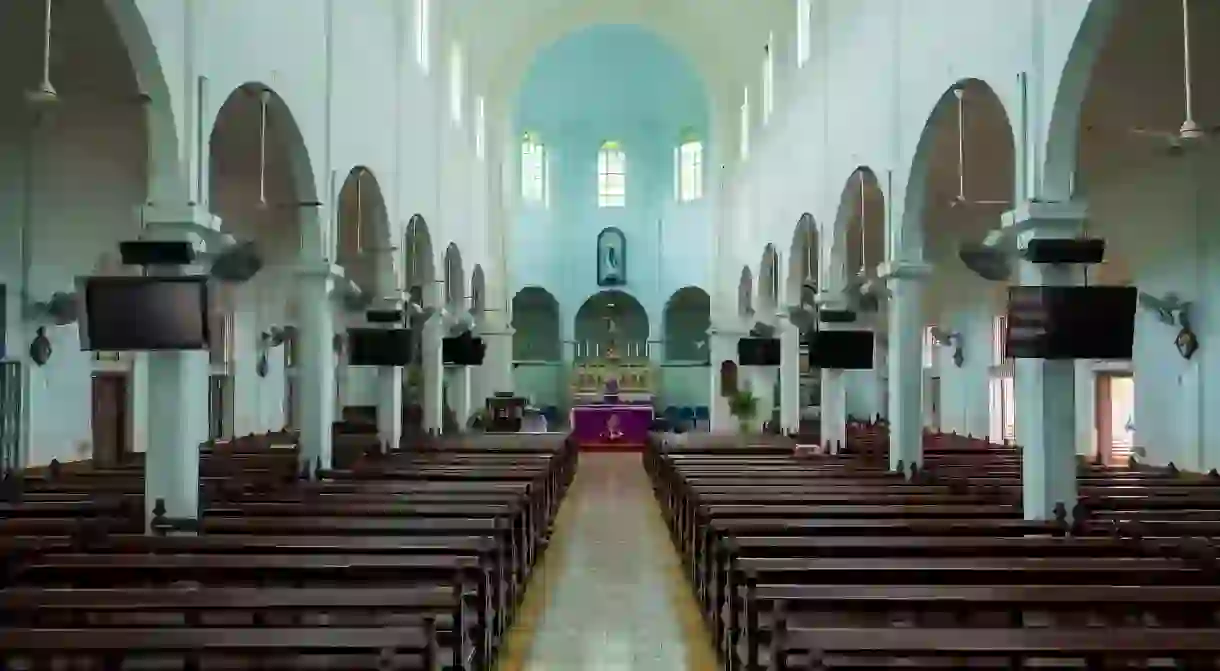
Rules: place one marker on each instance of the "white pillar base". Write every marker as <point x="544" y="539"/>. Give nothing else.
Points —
<point x="905" y="282"/>
<point x="389" y="407"/>
<point x="316" y="365"/>
<point x="459" y="395"/>
<point x="789" y="378"/>
<point x="177" y="425"/>
<point x="434" y="375"/>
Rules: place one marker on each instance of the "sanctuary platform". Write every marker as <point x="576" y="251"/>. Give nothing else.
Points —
<point x="612" y="403"/>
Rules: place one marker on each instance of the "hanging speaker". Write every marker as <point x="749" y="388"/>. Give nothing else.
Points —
<point x="1060" y="251"/>
<point x="384" y="316"/>
<point x="837" y="316"/>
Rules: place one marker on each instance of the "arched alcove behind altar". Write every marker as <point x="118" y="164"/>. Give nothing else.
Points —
<point x="611" y="320"/>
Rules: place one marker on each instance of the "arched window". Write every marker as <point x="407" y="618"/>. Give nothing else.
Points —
<point x="745" y="123"/>
<point x="457" y="83"/>
<point x="611" y="175"/>
<point x="533" y="170"/>
<point x="688" y="168"/>
<point x="768" y="79"/>
<point x="423" y="47"/>
<point x="802" y="32"/>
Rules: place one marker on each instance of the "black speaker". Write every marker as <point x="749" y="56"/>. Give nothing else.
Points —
<point x="1085" y="251"/>
<point x="384" y="316"/>
<point x="157" y="253"/>
<point x="837" y="316"/>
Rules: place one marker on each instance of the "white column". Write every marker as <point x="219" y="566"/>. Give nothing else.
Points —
<point x="722" y="346"/>
<point x="177" y="403"/>
<point x="459" y="395"/>
<point x="1046" y="390"/>
<point x="789" y="377"/>
<point x="316" y="363"/>
<point x="833" y="401"/>
<point x="433" y="370"/>
<point x="905" y="282"/>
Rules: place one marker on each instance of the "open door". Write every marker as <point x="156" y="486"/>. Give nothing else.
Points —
<point x="110" y="421"/>
<point x="1114" y="418"/>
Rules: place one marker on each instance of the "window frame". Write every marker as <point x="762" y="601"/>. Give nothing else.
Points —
<point x="611" y="164"/>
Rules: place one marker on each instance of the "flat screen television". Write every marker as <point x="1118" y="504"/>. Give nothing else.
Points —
<point x="463" y="350"/>
<point x="144" y="314"/>
<point x="758" y="351"/>
<point x="841" y="350"/>
<point x="384" y="348"/>
<point x="1070" y="322"/>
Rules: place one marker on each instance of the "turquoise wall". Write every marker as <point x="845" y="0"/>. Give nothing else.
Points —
<point x="623" y="83"/>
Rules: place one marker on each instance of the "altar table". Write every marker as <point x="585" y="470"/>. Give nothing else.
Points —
<point x="590" y="426"/>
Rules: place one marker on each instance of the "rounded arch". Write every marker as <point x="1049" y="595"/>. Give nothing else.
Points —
<point x="768" y="281"/>
<point x="936" y="175"/>
<point x="478" y="292"/>
<point x="686" y="320"/>
<point x="419" y="269"/>
<point x="745" y="294"/>
<point x="536" y="329"/>
<point x="261" y="173"/>
<point x="165" y="178"/>
<point x="612" y="320"/>
<point x="857" y="241"/>
<point x="803" y="260"/>
<point x="1062" y="141"/>
<point x="364" y="244"/>
<point x="455" y="278"/>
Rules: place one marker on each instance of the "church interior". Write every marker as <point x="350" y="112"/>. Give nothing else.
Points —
<point x="601" y="335"/>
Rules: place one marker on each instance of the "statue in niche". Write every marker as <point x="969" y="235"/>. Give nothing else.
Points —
<point x="611" y="258"/>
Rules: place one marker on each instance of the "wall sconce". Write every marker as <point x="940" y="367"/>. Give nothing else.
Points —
<point x="946" y="338"/>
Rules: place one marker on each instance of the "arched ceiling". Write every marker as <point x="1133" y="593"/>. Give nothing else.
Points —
<point x="723" y="39"/>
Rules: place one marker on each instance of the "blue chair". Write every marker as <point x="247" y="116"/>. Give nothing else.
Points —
<point x="703" y="416"/>
<point x="687" y="414"/>
<point x="671" y="414"/>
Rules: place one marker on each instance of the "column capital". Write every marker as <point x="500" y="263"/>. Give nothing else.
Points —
<point x="1038" y="219"/>
<point x="187" y="222"/>
<point x="904" y="269"/>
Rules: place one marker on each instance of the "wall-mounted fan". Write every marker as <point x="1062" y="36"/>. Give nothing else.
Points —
<point x="943" y="337"/>
<point x="353" y="298"/>
<point x="991" y="263"/>
<point x="59" y="310"/>
<point x="1191" y="133"/>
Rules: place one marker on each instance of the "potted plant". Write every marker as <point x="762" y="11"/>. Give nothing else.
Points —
<point x="744" y="406"/>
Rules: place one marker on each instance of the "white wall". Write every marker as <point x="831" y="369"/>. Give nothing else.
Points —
<point x="346" y="72"/>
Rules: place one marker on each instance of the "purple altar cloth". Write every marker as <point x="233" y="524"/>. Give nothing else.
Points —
<point x="589" y="425"/>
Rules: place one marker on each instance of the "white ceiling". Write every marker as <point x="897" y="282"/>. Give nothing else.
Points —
<point x="723" y="39"/>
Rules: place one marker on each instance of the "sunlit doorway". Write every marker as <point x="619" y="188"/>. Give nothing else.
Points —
<point x="1115" y="418"/>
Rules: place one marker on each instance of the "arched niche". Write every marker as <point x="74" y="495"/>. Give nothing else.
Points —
<point x="419" y="269"/>
<point x="365" y="248"/>
<point x="612" y="316"/>
<point x="803" y="261"/>
<point x="455" y="278"/>
<point x="745" y="294"/>
<point x="611" y="257"/>
<point x="858" y="237"/>
<point x="768" y="281"/>
<point x="687" y="320"/>
<point x="536" y="329"/>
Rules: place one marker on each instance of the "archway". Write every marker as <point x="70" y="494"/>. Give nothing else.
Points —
<point x="687" y="319"/>
<point x="612" y="319"/>
<point x="261" y="186"/>
<point x="858" y="237"/>
<point x="1151" y="194"/>
<point x="536" y="328"/>
<point x="365" y="248"/>
<point x="745" y="294"/>
<point x="803" y="262"/>
<point x="478" y="293"/>
<point x="420" y="270"/>
<point x="768" y="282"/>
<point x="966" y="181"/>
<point x="77" y="165"/>
<point x="455" y="278"/>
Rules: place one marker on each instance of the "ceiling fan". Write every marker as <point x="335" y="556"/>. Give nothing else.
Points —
<point x="960" y="200"/>
<point x="1191" y="133"/>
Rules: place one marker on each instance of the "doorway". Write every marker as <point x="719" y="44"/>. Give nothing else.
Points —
<point x="1003" y="416"/>
<point x="1114" y="420"/>
<point x="110" y="422"/>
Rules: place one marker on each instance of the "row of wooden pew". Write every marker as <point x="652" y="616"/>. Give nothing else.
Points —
<point x="834" y="562"/>
<point x="412" y="560"/>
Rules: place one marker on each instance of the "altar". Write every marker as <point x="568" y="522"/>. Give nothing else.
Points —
<point x="613" y="386"/>
<point x="608" y="427"/>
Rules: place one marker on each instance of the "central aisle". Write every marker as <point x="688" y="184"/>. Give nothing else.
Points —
<point x="609" y="594"/>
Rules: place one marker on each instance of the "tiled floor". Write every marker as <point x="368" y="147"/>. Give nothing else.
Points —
<point x="609" y="594"/>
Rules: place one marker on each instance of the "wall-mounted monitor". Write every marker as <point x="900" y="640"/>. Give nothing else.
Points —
<point x="144" y="314"/>
<point x="841" y="350"/>
<point x="463" y="350"/>
<point x="758" y="351"/>
<point x="1070" y="322"/>
<point x="381" y="347"/>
